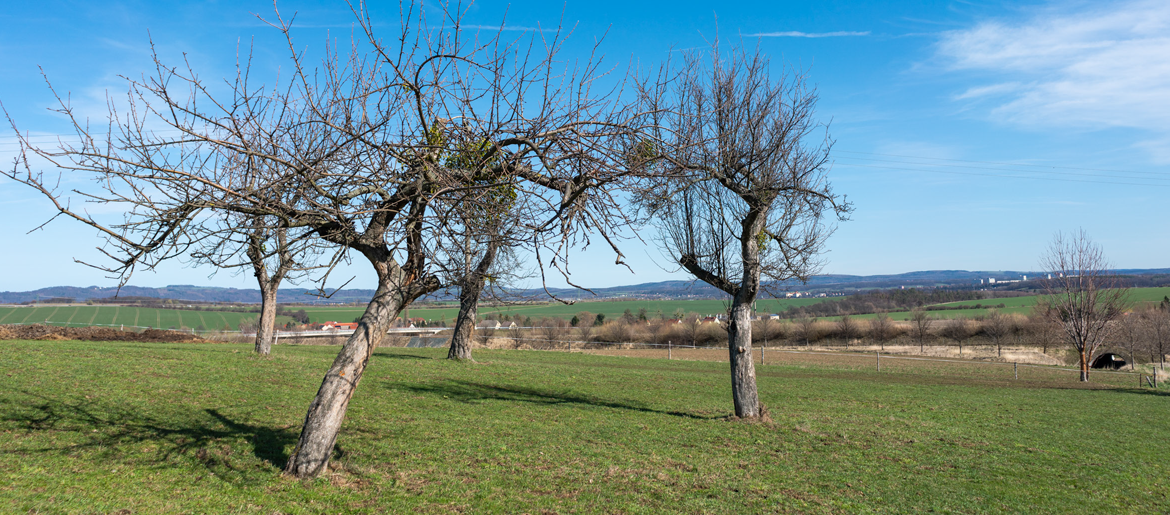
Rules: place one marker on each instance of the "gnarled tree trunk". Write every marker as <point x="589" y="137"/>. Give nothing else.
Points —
<point x="469" y="291"/>
<point x="327" y="411"/>
<point x="743" y="371"/>
<point x="465" y="320"/>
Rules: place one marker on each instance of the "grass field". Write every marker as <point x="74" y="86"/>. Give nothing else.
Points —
<point x="82" y="316"/>
<point x="1140" y="297"/>
<point x="77" y="316"/>
<point x="169" y="428"/>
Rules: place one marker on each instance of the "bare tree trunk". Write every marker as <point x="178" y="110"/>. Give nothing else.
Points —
<point x="743" y="372"/>
<point x="465" y="320"/>
<point x="266" y="326"/>
<point x="327" y="411"/>
<point x="469" y="293"/>
<point x="1084" y="366"/>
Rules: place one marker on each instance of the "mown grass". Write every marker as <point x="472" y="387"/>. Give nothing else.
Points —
<point x="201" y="428"/>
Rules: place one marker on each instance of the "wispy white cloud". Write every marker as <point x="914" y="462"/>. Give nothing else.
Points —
<point x="798" y="34"/>
<point x="1095" y="67"/>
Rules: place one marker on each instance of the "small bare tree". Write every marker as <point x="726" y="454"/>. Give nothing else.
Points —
<point x="958" y="329"/>
<point x="881" y="329"/>
<point x="1156" y="331"/>
<point x="847" y="329"/>
<point x="1082" y="295"/>
<point x="1129" y="329"/>
<point x="997" y="327"/>
<point x="920" y="326"/>
<point x="807" y="330"/>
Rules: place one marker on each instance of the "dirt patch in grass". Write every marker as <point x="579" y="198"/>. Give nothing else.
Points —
<point x="93" y="334"/>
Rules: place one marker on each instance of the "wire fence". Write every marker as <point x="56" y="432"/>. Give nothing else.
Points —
<point x="873" y="360"/>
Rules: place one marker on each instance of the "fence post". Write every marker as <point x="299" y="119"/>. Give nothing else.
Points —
<point x="878" y="355"/>
<point x="668" y="353"/>
<point x="1016" y="370"/>
<point x="570" y="343"/>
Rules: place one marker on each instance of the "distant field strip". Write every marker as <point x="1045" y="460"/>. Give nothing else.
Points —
<point x="126" y="316"/>
<point x="611" y="309"/>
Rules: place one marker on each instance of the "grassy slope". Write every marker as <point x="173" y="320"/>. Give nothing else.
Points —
<point x="1023" y="305"/>
<point x="80" y="316"/>
<point x="153" y="428"/>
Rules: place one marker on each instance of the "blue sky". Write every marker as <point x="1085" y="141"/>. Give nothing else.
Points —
<point x="967" y="132"/>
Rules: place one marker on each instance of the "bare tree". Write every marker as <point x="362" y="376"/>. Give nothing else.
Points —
<point x="741" y="190"/>
<point x="363" y="135"/>
<point x="1156" y="331"/>
<point x="692" y="328"/>
<point x="920" y="326"/>
<point x="1129" y="329"/>
<point x="847" y="329"/>
<point x="1082" y="295"/>
<point x="807" y="330"/>
<point x="996" y="326"/>
<point x="553" y="330"/>
<point x="958" y="329"/>
<point x="881" y="329"/>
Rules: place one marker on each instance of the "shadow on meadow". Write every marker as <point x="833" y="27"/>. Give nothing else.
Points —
<point x="114" y="432"/>
<point x="470" y="392"/>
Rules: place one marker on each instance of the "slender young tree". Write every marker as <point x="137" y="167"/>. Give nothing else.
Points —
<point x="1083" y="296"/>
<point x="740" y="192"/>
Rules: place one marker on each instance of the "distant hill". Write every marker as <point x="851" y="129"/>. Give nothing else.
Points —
<point x="663" y="290"/>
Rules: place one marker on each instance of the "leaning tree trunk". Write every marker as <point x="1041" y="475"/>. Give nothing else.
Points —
<point x="266" y="326"/>
<point x="327" y="411"/>
<point x="469" y="292"/>
<point x="465" y="320"/>
<point x="743" y="371"/>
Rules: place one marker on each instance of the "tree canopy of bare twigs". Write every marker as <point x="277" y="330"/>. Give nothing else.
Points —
<point x="358" y="146"/>
<point x="739" y="184"/>
<point x="1082" y="295"/>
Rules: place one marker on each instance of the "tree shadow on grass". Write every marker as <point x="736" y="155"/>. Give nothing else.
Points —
<point x="470" y="392"/>
<point x="111" y="430"/>
<point x="396" y="355"/>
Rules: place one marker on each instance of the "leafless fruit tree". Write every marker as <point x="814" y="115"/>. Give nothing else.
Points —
<point x="741" y="190"/>
<point x="362" y="142"/>
<point x="1082" y="295"/>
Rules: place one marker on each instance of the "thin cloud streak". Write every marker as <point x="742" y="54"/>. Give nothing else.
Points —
<point x="799" y="34"/>
<point x="1094" y="68"/>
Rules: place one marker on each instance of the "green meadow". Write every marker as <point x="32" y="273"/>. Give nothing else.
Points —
<point x="117" y="316"/>
<point x="206" y="428"/>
